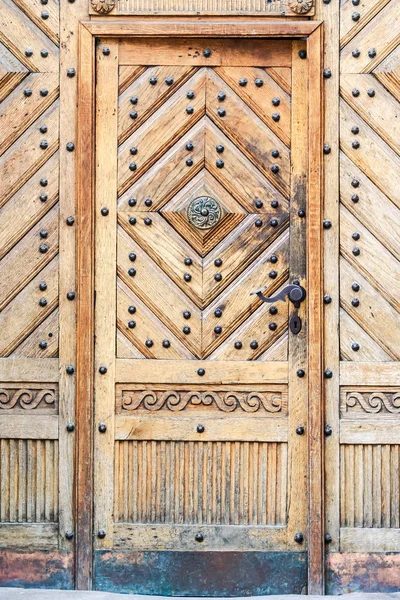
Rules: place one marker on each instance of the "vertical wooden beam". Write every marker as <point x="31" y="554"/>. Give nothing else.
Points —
<point x="297" y="447"/>
<point x="315" y="320"/>
<point x="85" y="309"/>
<point x="105" y="284"/>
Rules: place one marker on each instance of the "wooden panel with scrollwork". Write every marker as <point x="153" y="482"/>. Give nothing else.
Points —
<point x="24" y="397"/>
<point x="368" y="403"/>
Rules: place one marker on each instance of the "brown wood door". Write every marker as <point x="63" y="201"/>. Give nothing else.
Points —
<point x="200" y="387"/>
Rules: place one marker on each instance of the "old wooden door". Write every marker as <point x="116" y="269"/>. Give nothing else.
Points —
<point x="200" y="387"/>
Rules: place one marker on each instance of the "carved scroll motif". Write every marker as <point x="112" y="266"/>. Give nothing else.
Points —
<point x="371" y="403"/>
<point x="225" y="401"/>
<point x="23" y="399"/>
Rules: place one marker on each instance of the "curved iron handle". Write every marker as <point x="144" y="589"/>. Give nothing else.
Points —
<point x="295" y="293"/>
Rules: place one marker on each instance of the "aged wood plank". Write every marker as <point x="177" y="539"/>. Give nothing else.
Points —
<point x="29" y="427"/>
<point x="47" y="332"/>
<point x="349" y="27"/>
<point x="369" y="539"/>
<point x="38" y="536"/>
<point x="388" y="73"/>
<point x="351" y="333"/>
<point x="369" y="432"/>
<point x="370" y="373"/>
<point x="27" y="369"/>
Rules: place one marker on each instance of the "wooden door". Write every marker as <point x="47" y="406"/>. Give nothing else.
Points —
<point x="200" y="457"/>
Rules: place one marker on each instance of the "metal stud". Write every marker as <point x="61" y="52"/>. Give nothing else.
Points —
<point x="276" y="101"/>
<point x="303" y="54"/>
<point x="328" y="374"/>
<point x="44" y="14"/>
<point x="132" y="220"/>
<point x="274" y="222"/>
<point x="300" y="373"/>
<point x="132" y="257"/>
<point x="218" y="277"/>
<point x="70" y="370"/>
<point x="327" y="224"/>
<point x="43" y="345"/>
<point x="102" y="370"/>
<point x="43" y="302"/>
<point x="275" y="153"/>
<point x="69" y="535"/>
<point x="301" y="213"/>
<point x="106" y="51"/>
<point x="221" y="96"/>
<point x="355" y="183"/>
<point x="70" y="296"/>
<point x="218" y="313"/>
<point x="327" y="538"/>
<point x="201" y="372"/>
<point x="132" y="272"/>
<point x="328" y="430"/>
<point x="28" y="52"/>
<point x="258" y="222"/>
<point x="70" y="221"/>
<point x="355" y="145"/>
<point x="149" y="343"/>
<point x="355" y="198"/>
<point x="189" y="162"/>
<point x="355" y="302"/>
<point x="148" y="202"/>
<point x="356" y="251"/>
<point x="221" y="112"/>
<point x="187" y="277"/>
<point x="274" y="204"/>
<point x="355" y="347"/>
<point x="71" y="72"/>
<point x="356" y="236"/>
<point x="101" y="532"/>
<point x="327" y="299"/>
<point x="259" y="82"/>
<point x="42" y="286"/>
<point x="355" y="93"/>
<point x="189" y="146"/>
<point x="43" y="233"/>
<point x="272" y="326"/>
<point x="169" y="81"/>
<point x="132" y="201"/>
<point x="166" y="343"/>
<point x="153" y="80"/>
<point x="355" y="286"/>
<point x="254" y="345"/>
<point x="70" y="146"/>
<point x="44" y="53"/>
<point x="190" y="95"/>
<point x="133" y="114"/>
<point x="327" y="73"/>
<point x="220" y="163"/>
<point x="276" y="117"/>
<point x="132" y="310"/>
<point x="207" y="52"/>
<point x="355" y="130"/>
<point x="371" y="93"/>
<point x="188" y="261"/>
<point x="243" y="82"/>
<point x="187" y="314"/>
<point x="70" y="427"/>
<point x="356" y="53"/>
<point x="147" y="221"/>
<point x="238" y="345"/>
<point x="131" y="324"/>
<point x="273" y="259"/>
<point x="189" y="110"/>
<point x="104" y="211"/>
<point x="43" y="129"/>
<point x="199" y="537"/>
<point x="299" y="537"/>
<point x="355" y="2"/>
<point x="218" y="262"/>
<point x="272" y="274"/>
<point x="134" y="100"/>
<point x="28" y="92"/>
<point x="218" y="329"/>
<point x="132" y="166"/>
<point x="220" y="148"/>
<point x="275" y="169"/>
<point x="43" y="144"/>
<point x="258" y="204"/>
<point x="300" y="430"/>
<point x="372" y="52"/>
<point x="273" y="310"/>
<point x="327" y="149"/>
<point x="355" y="16"/>
<point x="43" y="182"/>
<point x="186" y="330"/>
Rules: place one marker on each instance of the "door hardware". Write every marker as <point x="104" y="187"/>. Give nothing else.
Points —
<point x="295" y="293"/>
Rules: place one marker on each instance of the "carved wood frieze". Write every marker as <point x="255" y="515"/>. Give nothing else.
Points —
<point x="226" y="401"/>
<point x="366" y="403"/>
<point x="19" y="398"/>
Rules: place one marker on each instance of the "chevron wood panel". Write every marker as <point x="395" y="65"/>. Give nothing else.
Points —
<point x="204" y="275"/>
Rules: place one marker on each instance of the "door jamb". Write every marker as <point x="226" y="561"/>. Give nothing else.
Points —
<point x="233" y="27"/>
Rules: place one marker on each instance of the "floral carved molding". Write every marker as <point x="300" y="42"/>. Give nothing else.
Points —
<point x="102" y="6"/>
<point x="226" y="401"/>
<point x="301" y="7"/>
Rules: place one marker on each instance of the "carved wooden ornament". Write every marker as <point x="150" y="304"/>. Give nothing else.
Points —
<point x="301" y="6"/>
<point x="102" y="6"/>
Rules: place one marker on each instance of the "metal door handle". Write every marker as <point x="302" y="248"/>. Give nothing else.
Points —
<point x="295" y="293"/>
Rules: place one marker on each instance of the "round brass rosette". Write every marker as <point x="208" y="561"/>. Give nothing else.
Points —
<point x="204" y="212"/>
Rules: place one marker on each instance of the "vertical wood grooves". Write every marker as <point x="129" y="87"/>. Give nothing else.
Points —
<point x="213" y="483"/>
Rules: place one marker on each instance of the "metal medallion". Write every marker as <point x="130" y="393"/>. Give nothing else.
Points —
<point x="204" y="212"/>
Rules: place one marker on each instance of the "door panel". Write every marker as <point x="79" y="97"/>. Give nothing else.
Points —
<point x="198" y="203"/>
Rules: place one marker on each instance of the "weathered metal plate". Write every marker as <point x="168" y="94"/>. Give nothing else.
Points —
<point x="362" y="572"/>
<point x="201" y="573"/>
<point x="53" y="570"/>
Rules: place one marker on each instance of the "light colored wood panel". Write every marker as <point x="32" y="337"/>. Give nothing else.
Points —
<point x="186" y="372"/>
<point x="184" y="428"/>
<point x="34" y="10"/>
<point x="105" y="279"/>
<point x="18" y="33"/>
<point x="369" y="201"/>
<point x="278" y="350"/>
<point x="171" y="169"/>
<point x="127" y="75"/>
<point x="29" y="256"/>
<point x="381" y="34"/>
<point x="161" y="130"/>
<point x="386" y="123"/>
<point x="15" y="223"/>
<point x="47" y="332"/>
<point x="146" y="326"/>
<point x="351" y="333"/>
<point x="371" y="257"/>
<point x="248" y="132"/>
<point x="282" y="76"/>
<point x="125" y="349"/>
<point x="24" y="313"/>
<point x="259" y="97"/>
<point x="379" y="319"/>
<point x="369" y="539"/>
<point x="370" y="373"/>
<point x="190" y="52"/>
<point x="167" y="537"/>
<point x="388" y="73"/>
<point x="43" y="536"/>
<point x="349" y="27"/>
<point x="30" y="427"/>
<point x="25" y="156"/>
<point x="148" y="96"/>
<point x="20" y="111"/>
<point x="369" y="432"/>
<point x="383" y="172"/>
<point x="28" y="369"/>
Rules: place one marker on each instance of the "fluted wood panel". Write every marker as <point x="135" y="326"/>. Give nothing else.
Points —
<point x="211" y="483"/>
<point x="370" y="485"/>
<point x="29" y="481"/>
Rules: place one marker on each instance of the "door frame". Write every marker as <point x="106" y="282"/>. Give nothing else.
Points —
<point x="216" y="27"/>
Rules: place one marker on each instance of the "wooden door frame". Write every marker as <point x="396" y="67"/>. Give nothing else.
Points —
<point x="232" y="27"/>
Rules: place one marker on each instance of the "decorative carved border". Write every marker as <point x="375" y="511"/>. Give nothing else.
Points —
<point x="178" y="400"/>
<point x="365" y="403"/>
<point x="21" y="397"/>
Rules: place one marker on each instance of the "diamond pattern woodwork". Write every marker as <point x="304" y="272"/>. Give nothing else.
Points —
<point x="184" y="289"/>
